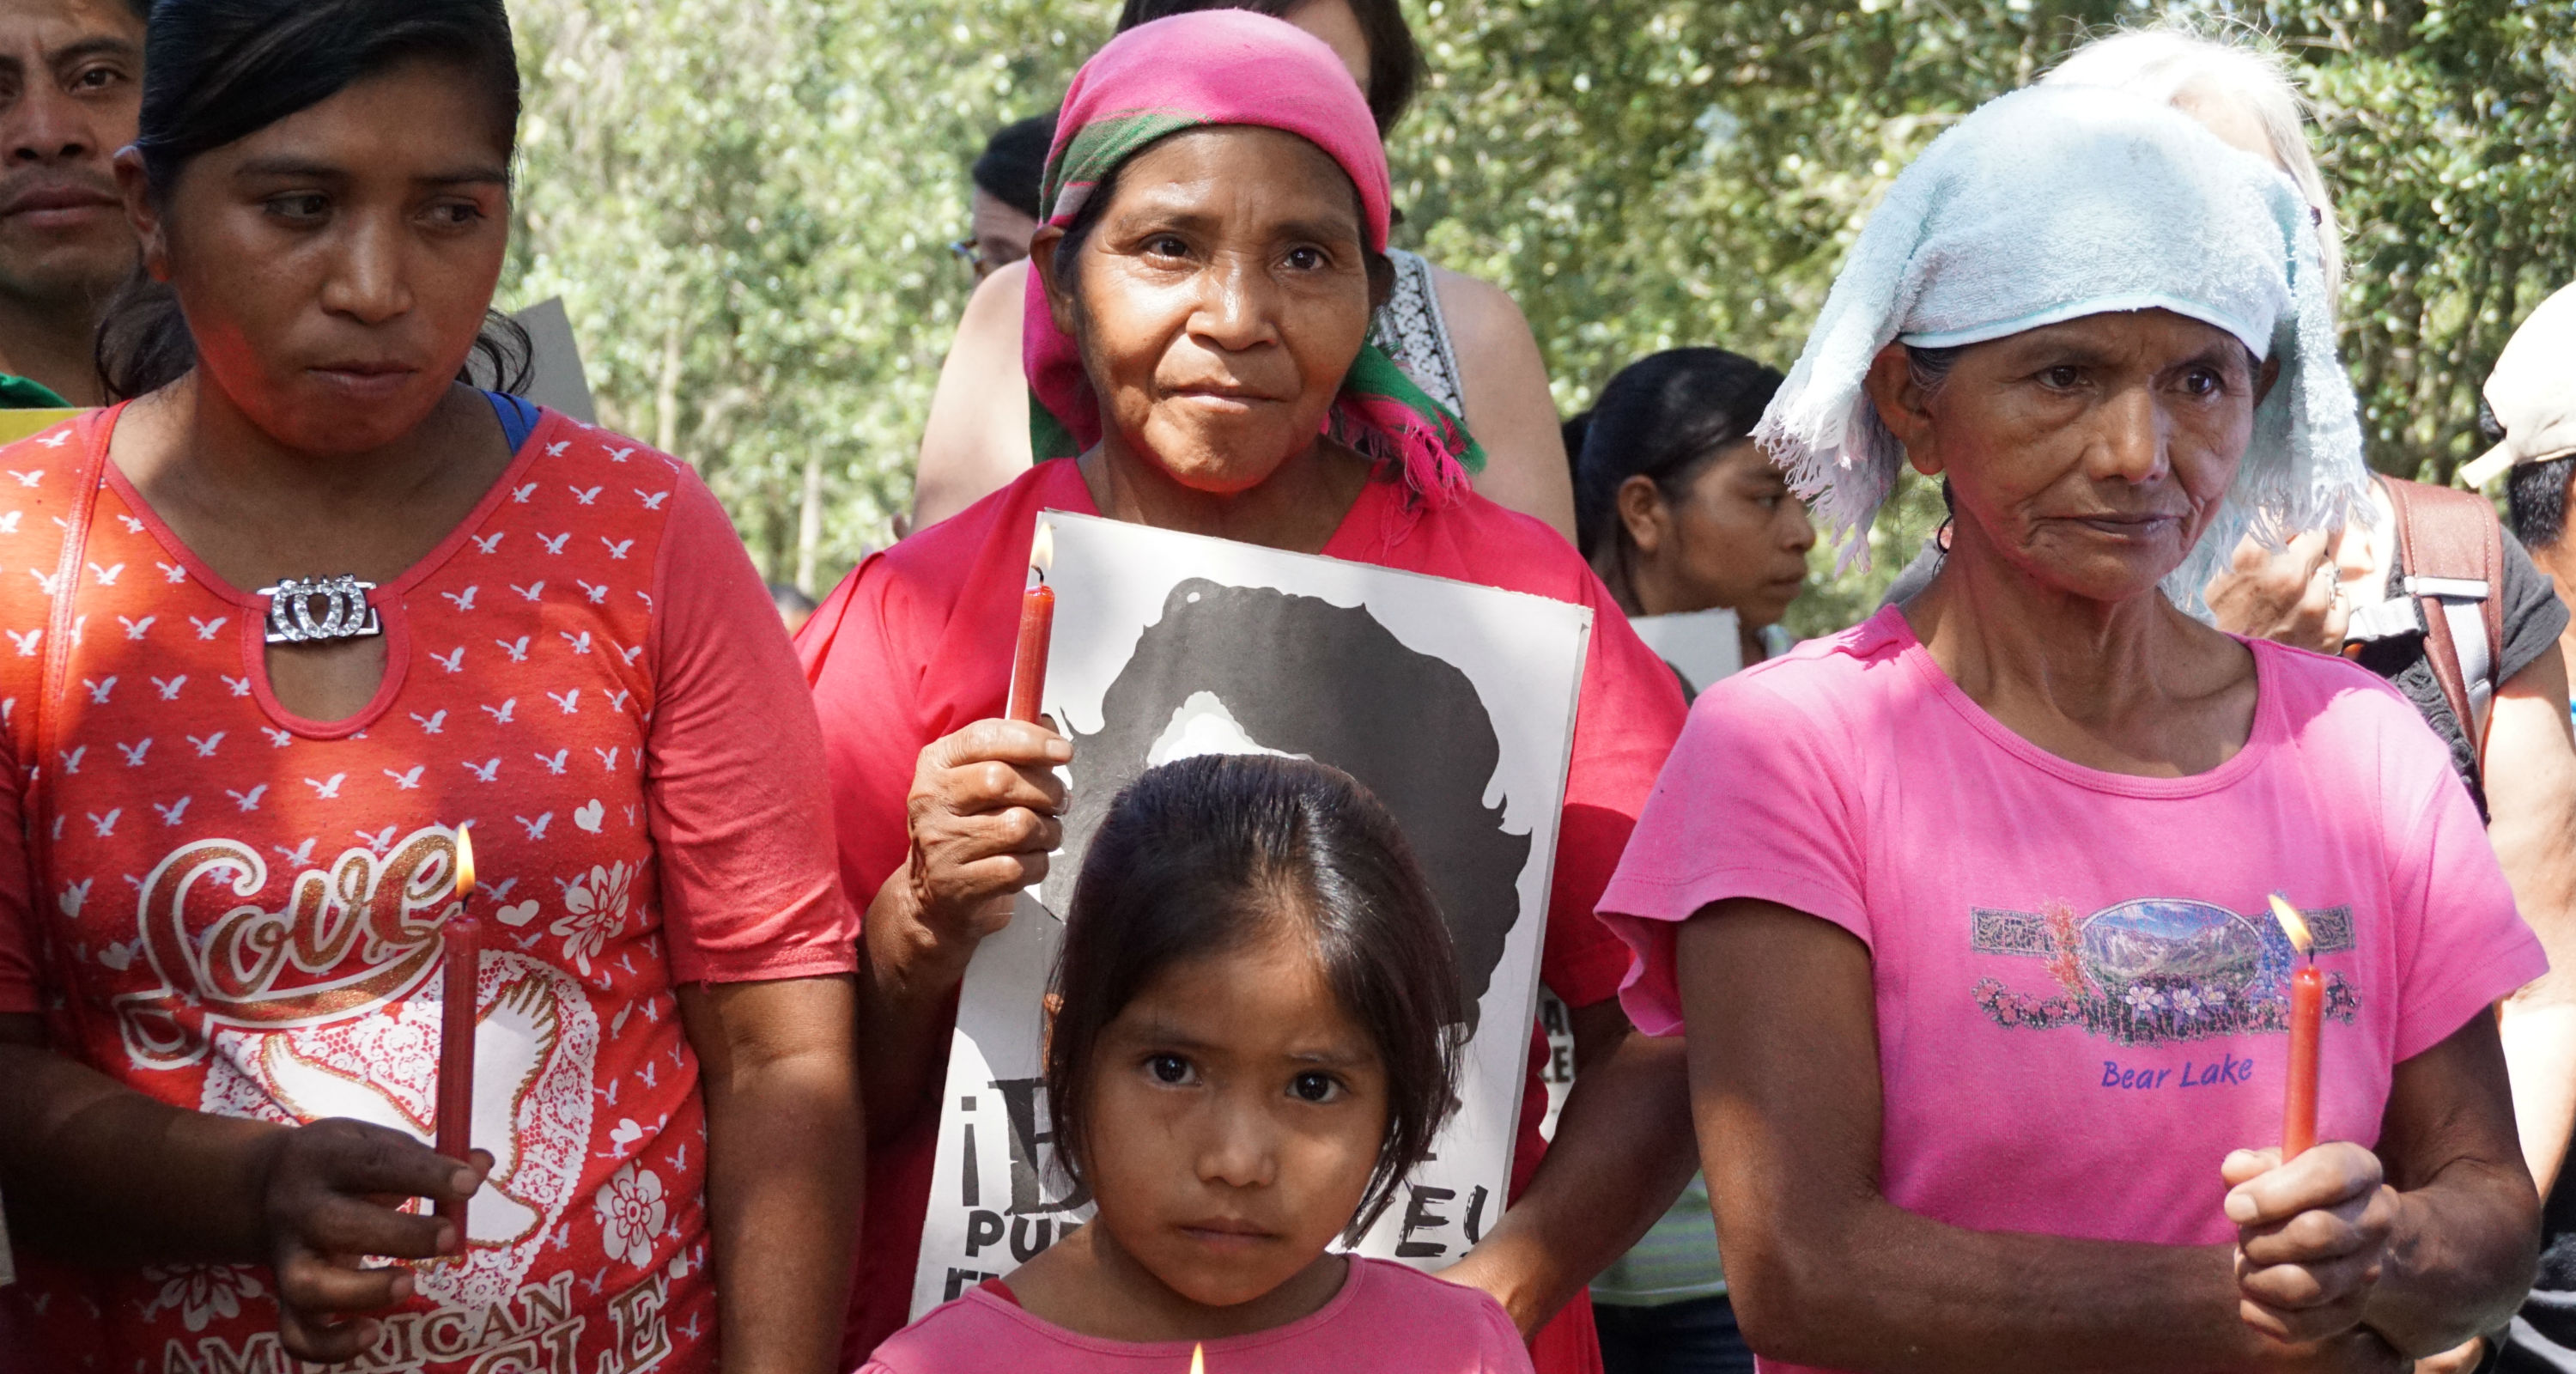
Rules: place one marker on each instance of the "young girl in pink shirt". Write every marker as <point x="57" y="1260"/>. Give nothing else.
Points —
<point x="1249" y="1053"/>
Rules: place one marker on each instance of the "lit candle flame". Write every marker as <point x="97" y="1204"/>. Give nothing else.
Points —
<point x="2293" y="925"/>
<point x="464" y="861"/>
<point x="1198" y="1359"/>
<point x="1042" y="550"/>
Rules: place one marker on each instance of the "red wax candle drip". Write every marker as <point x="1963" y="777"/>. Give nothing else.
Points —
<point x="2307" y="1016"/>
<point x="1028" y="664"/>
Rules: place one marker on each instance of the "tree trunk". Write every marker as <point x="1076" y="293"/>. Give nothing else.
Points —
<point x="666" y="391"/>
<point x="809" y="525"/>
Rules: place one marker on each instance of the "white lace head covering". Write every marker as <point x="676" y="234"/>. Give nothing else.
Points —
<point x="2054" y="203"/>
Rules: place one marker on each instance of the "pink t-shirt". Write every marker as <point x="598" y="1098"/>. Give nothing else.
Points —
<point x="2080" y="993"/>
<point x="1386" y="1317"/>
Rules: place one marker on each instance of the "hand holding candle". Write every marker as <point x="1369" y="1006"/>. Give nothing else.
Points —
<point x="2307" y="1017"/>
<point x="1037" y="629"/>
<point x="461" y="944"/>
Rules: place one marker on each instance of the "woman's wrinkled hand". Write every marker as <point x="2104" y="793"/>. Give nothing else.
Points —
<point x="2311" y="1236"/>
<point x="983" y="810"/>
<point x="330" y="1195"/>
<point x="2289" y="597"/>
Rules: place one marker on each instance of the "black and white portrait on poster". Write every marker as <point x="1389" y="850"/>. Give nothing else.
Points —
<point x="1453" y="703"/>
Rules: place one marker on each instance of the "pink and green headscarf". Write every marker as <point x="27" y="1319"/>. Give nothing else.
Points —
<point x="1215" y="67"/>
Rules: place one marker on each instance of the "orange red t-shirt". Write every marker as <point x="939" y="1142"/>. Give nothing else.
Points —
<point x="239" y="908"/>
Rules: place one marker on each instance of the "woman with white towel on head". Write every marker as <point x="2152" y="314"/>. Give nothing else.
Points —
<point x="1965" y="911"/>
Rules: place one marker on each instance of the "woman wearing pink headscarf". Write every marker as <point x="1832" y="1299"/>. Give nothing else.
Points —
<point x="1195" y="338"/>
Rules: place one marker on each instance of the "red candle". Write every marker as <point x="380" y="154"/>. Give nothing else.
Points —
<point x="1037" y="630"/>
<point x="2307" y="1014"/>
<point x="2307" y="1017"/>
<point x="461" y="941"/>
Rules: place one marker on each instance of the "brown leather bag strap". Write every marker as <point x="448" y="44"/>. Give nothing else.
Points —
<point x="2493" y="606"/>
<point x="2452" y="547"/>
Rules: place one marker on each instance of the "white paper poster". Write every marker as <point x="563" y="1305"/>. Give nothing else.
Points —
<point x="1453" y="703"/>
<point x="1703" y="645"/>
<point x="556" y="378"/>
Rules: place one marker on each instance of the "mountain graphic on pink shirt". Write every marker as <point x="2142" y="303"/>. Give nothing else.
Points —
<point x="2153" y="971"/>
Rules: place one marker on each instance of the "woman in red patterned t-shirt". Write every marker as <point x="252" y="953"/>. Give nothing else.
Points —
<point x="242" y="803"/>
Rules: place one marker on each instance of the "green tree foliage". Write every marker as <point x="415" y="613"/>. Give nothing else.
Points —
<point x="1644" y="174"/>
<point x="745" y="204"/>
<point x="745" y="201"/>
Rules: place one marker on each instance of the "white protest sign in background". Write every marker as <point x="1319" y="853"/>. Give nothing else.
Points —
<point x="1454" y="703"/>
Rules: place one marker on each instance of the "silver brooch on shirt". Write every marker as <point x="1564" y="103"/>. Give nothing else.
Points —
<point x="345" y="610"/>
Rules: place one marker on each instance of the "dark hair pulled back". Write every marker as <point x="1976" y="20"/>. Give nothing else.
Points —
<point x="1209" y="855"/>
<point x="222" y="70"/>
<point x="2536" y="496"/>
<point x="1661" y="418"/>
<point x="1012" y="169"/>
<point x="1395" y="60"/>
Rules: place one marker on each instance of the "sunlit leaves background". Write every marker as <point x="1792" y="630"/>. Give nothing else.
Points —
<point x="746" y="202"/>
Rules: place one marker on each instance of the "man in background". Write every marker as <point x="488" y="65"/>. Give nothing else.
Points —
<point x="1007" y="181"/>
<point x="2531" y="398"/>
<point x="2531" y="406"/>
<point x="71" y="90"/>
<point x="71" y="87"/>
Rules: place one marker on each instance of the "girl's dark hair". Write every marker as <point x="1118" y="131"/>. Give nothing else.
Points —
<point x="1209" y="855"/>
<point x="1395" y="60"/>
<point x="2536" y="495"/>
<point x="222" y="70"/>
<point x="1663" y="417"/>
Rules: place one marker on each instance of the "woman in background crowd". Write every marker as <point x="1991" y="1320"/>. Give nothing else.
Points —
<point x="1204" y="310"/>
<point x="1683" y="512"/>
<point x="1004" y="212"/>
<point x="1462" y="340"/>
<point x="1964" y="910"/>
<point x="310" y="603"/>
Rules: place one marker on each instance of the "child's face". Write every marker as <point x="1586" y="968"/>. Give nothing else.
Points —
<point x="1236" y="1116"/>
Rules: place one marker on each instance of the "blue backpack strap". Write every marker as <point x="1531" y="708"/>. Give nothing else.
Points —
<point x="518" y="417"/>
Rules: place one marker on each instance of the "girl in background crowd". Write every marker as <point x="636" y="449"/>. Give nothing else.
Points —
<point x="1462" y="340"/>
<point x="239" y="786"/>
<point x="1682" y="511"/>
<point x="1202" y="320"/>
<point x="1964" y="910"/>
<point x="1247" y="1057"/>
